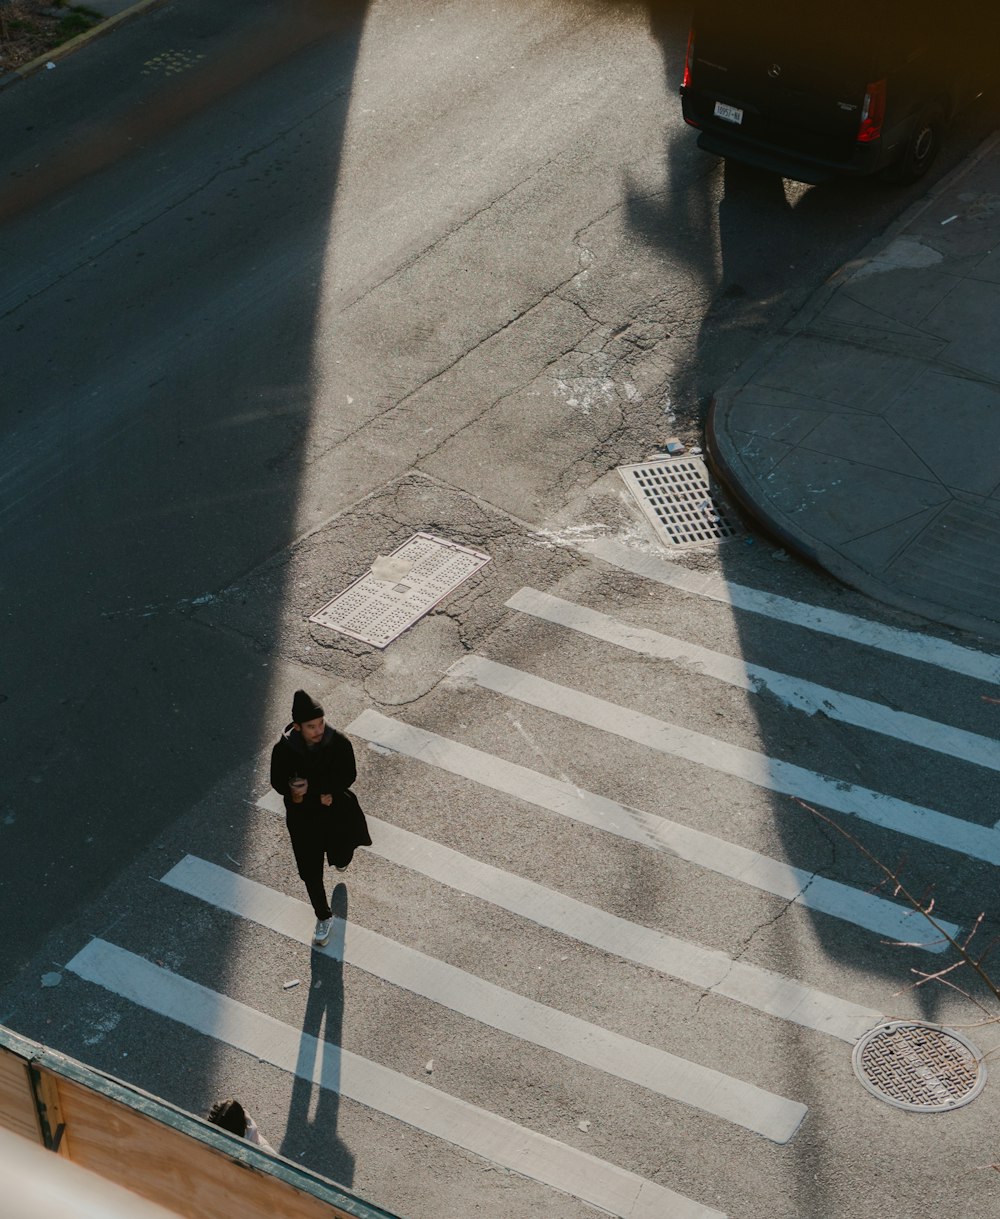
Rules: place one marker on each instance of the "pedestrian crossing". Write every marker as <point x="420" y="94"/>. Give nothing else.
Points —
<point x="773" y="876"/>
<point x="863" y="632"/>
<point x="785" y="778"/>
<point x="806" y="696"/>
<point x="410" y="1101"/>
<point x="709" y="970"/>
<point x="690" y="1082"/>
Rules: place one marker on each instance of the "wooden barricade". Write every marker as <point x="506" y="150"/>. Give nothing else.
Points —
<point x="138" y="1141"/>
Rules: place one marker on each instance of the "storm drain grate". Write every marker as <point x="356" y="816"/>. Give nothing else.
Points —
<point x="677" y="496"/>
<point x="919" y="1066"/>
<point x="400" y="589"/>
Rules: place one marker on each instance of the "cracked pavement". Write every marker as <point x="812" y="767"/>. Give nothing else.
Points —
<point x="356" y="272"/>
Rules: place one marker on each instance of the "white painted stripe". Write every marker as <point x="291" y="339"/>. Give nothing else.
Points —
<point x="676" y="1078"/>
<point x="803" y="695"/>
<point x="979" y="841"/>
<point x="711" y="971"/>
<point x="866" y="910"/>
<point x="407" y="1100"/>
<point x="940" y="652"/>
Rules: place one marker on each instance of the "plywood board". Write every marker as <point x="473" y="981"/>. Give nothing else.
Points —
<point x="167" y="1166"/>
<point x="17" y="1105"/>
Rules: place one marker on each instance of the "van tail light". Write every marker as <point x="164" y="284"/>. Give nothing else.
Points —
<point x="872" y="113"/>
<point x="688" y="59"/>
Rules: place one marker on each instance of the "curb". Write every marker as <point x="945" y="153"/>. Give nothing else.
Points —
<point x="818" y="555"/>
<point x="74" y="44"/>
<point x="829" y="560"/>
<point x="721" y="451"/>
<point x="875" y="246"/>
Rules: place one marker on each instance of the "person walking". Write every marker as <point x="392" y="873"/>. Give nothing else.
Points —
<point x="312" y="768"/>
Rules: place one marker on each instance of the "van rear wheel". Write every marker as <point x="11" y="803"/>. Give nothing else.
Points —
<point x="922" y="146"/>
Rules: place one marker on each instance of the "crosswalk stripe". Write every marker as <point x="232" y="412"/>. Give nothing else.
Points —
<point x="981" y="842"/>
<point x="417" y="1104"/>
<point x="804" y="695"/>
<point x="701" y="1087"/>
<point x="940" y="652"/>
<point x="866" y="910"/>
<point x="711" y="971"/>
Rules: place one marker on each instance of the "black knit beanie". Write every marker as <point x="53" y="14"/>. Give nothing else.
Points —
<point x="305" y="708"/>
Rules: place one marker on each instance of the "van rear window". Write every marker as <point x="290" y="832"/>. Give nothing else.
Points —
<point x="809" y="26"/>
<point x="846" y="37"/>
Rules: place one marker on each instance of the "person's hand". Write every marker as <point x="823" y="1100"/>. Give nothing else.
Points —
<point x="326" y="799"/>
<point x="298" y="788"/>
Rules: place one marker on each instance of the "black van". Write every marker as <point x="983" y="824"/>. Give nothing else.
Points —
<point x="813" y="91"/>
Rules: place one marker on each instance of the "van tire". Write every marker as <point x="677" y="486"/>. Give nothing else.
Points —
<point x="922" y="146"/>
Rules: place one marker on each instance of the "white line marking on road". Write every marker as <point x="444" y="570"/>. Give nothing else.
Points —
<point x="979" y="841"/>
<point x="701" y="1087"/>
<point x="951" y="656"/>
<point x="386" y="1091"/>
<point x="709" y="970"/>
<point x="866" y="910"/>
<point x="802" y="695"/>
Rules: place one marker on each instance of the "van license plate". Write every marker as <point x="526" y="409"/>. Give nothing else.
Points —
<point x="732" y="114"/>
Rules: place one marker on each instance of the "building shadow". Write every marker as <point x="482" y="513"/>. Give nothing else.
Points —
<point x="154" y="457"/>
<point x="163" y="282"/>
<point x="739" y="235"/>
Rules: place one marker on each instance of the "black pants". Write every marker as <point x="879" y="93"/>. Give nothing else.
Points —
<point x="310" y="856"/>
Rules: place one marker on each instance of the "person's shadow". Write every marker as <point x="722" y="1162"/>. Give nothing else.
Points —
<point x="315" y="1101"/>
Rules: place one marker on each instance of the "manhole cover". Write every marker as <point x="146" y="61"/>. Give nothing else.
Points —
<point x="399" y="589"/>
<point x="919" y="1066"/>
<point x="677" y="496"/>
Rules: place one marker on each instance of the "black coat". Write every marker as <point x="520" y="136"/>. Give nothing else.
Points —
<point x="330" y="769"/>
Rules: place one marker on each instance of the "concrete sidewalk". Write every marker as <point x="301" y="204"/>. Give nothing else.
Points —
<point x="867" y="435"/>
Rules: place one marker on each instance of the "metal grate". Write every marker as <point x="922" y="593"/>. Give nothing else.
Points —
<point x="919" y="1066"/>
<point x="415" y="578"/>
<point x="677" y="496"/>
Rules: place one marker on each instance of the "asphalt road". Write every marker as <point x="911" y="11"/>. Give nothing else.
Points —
<point x="280" y="291"/>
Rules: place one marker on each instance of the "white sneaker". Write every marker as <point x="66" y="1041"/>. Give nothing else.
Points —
<point x="322" y="933"/>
